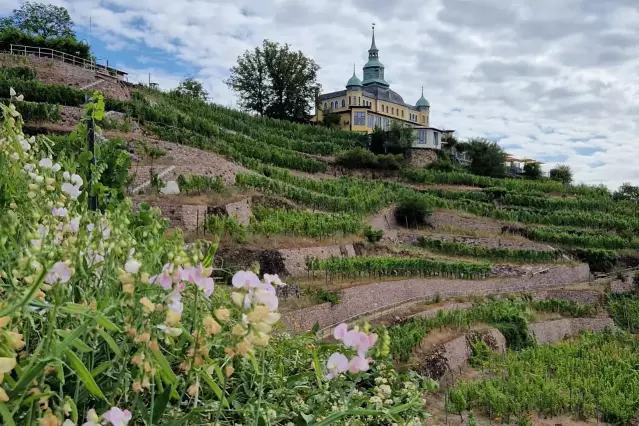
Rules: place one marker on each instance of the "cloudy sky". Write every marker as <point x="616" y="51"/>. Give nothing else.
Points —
<point x="552" y="80"/>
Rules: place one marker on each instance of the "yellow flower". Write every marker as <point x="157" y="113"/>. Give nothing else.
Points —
<point x="272" y="318"/>
<point x="124" y="277"/>
<point x="192" y="390"/>
<point x="15" y="340"/>
<point x="237" y="298"/>
<point x="172" y="317"/>
<point x="243" y="347"/>
<point x="263" y="327"/>
<point x="4" y="321"/>
<point x="128" y="289"/>
<point x="229" y="370"/>
<point x="3" y="395"/>
<point x="223" y="314"/>
<point x="257" y="314"/>
<point x="50" y="419"/>
<point x="143" y="338"/>
<point x="238" y="330"/>
<point x="137" y="386"/>
<point x="148" y="305"/>
<point x="211" y="326"/>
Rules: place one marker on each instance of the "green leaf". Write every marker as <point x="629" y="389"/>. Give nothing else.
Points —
<point x="27" y="297"/>
<point x="74" y="308"/>
<point x="109" y="340"/>
<point x="165" y="367"/>
<point x="6" y="415"/>
<point x="26" y="378"/>
<point x="159" y="404"/>
<point x="83" y="374"/>
<point x="216" y="389"/>
<point x="108" y="325"/>
<point x="101" y="368"/>
<point x="74" y="340"/>
<point x="74" y="408"/>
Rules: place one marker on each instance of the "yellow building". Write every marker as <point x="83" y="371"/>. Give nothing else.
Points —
<point x="370" y="103"/>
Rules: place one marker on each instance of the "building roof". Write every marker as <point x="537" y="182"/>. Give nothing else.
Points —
<point x="354" y="80"/>
<point x="384" y="94"/>
<point x="422" y="102"/>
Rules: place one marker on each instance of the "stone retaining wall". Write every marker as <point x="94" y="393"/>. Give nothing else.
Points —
<point x="184" y="216"/>
<point x="295" y="259"/>
<point x="456" y="221"/>
<point x="582" y="297"/>
<point x="411" y="238"/>
<point x="240" y="210"/>
<point x="421" y="157"/>
<point x="555" y="331"/>
<point x="360" y="300"/>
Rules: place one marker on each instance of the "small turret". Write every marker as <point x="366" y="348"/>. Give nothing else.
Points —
<point x="422" y="104"/>
<point x="354" y="83"/>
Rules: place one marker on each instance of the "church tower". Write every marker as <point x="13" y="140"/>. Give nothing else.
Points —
<point x="374" y="69"/>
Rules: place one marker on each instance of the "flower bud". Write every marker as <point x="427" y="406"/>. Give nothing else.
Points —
<point x="222" y="314"/>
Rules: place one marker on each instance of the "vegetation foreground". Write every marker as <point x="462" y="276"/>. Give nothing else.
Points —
<point x="105" y="320"/>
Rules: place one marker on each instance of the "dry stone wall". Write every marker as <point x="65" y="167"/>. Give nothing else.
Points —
<point x="582" y="297"/>
<point x="411" y="238"/>
<point x="240" y="210"/>
<point x="555" y="331"/>
<point x="456" y="221"/>
<point x="184" y="216"/>
<point x="366" y="299"/>
<point x="420" y="157"/>
<point x="295" y="259"/>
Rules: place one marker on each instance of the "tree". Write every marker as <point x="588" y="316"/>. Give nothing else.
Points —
<point x="627" y="192"/>
<point x="399" y="139"/>
<point x="330" y="118"/>
<point x="192" y="88"/>
<point x="39" y="19"/>
<point x="413" y="211"/>
<point x="562" y="173"/>
<point x="532" y="170"/>
<point x="487" y="158"/>
<point x="274" y="81"/>
<point x="378" y="140"/>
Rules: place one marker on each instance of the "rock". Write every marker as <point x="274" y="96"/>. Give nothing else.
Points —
<point x="171" y="188"/>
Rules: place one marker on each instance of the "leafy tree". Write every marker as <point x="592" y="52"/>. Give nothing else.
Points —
<point x="39" y="19"/>
<point x="192" y="88"/>
<point x="378" y="140"/>
<point x="627" y="192"/>
<point x="532" y="170"/>
<point x="562" y="173"/>
<point x="330" y="118"/>
<point x="487" y="158"/>
<point x="399" y="139"/>
<point x="457" y="402"/>
<point x="274" y="81"/>
<point x="413" y="211"/>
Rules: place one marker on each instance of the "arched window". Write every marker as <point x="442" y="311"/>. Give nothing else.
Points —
<point x="349" y="100"/>
<point x="325" y="105"/>
<point x="359" y="100"/>
<point x="402" y="113"/>
<point x="343" y="103"/>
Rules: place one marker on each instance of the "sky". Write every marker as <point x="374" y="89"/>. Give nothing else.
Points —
<point x="552" y="80"/>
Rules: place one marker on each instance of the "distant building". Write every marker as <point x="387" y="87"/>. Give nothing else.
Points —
<point x="370" y="103"/>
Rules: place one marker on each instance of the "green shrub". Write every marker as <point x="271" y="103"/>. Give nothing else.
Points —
<point x="599" y="260"/>
<point x="373" y="235"/>
<point x="38" y="111"/>
<point x="19" y="73"/>
<point x="67" y="45"/>
<point x="196" y="184"/>
<point x="359" y="158"/>
<point x="319" y="295"/>
<point x="413" y="211"/>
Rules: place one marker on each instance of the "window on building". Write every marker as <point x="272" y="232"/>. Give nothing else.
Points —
<point x="349" y="100"/>
<point x="325" y="105"/>
<point x="371" y="121"/>
<point x="343" y="103"/>
<point x="402" y="113"/>
<point x="392" y="110"/>
<point x="387" y="124"/>
<point x="423" y="119"/>
<point x="421" y="137"/>
<point x="359" y="119"/>
<point x="436" y="139"/>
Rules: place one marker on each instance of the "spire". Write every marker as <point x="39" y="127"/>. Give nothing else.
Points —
<point x="422" y="102"/>
<point x="373" y="46"/>
<point x="354" y="80"/>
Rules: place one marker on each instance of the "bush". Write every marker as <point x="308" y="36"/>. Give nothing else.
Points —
<point x="196" y="184"/>
<point x="320" y="295"/>
<point x="359" y="158"/>
<point x="373" y="235"/>
<point x="413" y="211"/>
<point x="532" y="170"/>
<point x="561" y="173"/>
<point x="19" y="73"/>
<point x="487" y="157"/>
<point x="32" y="111"/>
<point x="599" y="260"/>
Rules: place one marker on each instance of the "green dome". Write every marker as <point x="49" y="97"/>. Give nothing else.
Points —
<point x="354" y="81"/>
<point x="422" y="102"/>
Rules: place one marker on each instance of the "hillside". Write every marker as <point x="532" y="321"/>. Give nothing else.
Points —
<point x="529" y="261"/>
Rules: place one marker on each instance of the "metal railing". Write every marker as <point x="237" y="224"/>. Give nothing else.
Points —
<point x="42" y="52"/>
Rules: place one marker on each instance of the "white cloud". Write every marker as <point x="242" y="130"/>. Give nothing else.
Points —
<point x="489" y="67"/>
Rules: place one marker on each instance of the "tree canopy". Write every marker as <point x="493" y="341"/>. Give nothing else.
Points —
<point x="39" y="19"/>
<point x="192" y="88"/>
<point x="330" y="118"/>
<point x="532" y="170"/>
<point x="275" y="81"/>
<point x="627" y="192"/>
<point x="397" y="140"/>
<point x="487" y="157"/>
<point x="562" y="173"/>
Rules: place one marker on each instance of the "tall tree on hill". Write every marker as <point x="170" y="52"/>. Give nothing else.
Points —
<point x="562" y="173"/>
<point x="192" y="88"/>
<point x="275" y="81"/>
<point x="488" y="158"/>
<point x="39" y="19"/>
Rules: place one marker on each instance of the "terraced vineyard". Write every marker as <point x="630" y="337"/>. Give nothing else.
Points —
<point x="272" y="183"/>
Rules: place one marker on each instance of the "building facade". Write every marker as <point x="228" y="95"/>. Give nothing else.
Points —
<point x="370" y="103"/>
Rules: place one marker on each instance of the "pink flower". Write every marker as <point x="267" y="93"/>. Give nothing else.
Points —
<point x="60" y="212"/>
<point x="198" y="276"/>
<point x="164" y="279"/>
<point x="74" y="224"/>
<point x="337" y="363"/>
<point x="59" y="273"/>
<point x="117" y="417"/>
<point x="358" y="340"/>
<point x="340" y="331"/>
<point x="357" y="364"/>
<point x="266" y="298"/>
<point x="243" y="279"/>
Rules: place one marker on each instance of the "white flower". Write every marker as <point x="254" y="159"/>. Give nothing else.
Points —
<point x="46" y="163"/>
<point x="56" y="167"/>
<point x="132" y="266"/>
<point x="29" y="167"/>
<point x="74" y="224"/>
<point x="72" y="191"/>
<point x="171" y="331"/>
<point x="12" y="92"/>
<point x="60" y="212"/>
<point x="76" y="180"/>
<point x="21" y="98"/>
<point x="25" y="145"/>
<point x="66" y="175"/>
